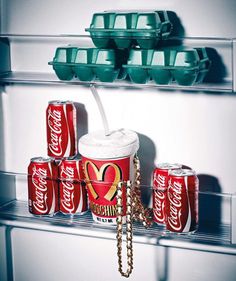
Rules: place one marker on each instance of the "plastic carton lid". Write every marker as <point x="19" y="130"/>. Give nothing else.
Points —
<point x="118" y="144"/>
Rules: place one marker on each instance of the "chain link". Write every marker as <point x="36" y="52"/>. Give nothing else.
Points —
<point x="140" y="213"/>
<point x="135" y="210"/>
<point x="129" y="228"/>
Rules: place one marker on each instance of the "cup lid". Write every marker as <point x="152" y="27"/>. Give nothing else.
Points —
<point x="119" y="143"/>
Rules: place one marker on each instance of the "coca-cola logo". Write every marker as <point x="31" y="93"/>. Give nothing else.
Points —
<point x="39" y="180"/>
<point x="159" y="206"/>
<point x="55" y="136"/>
<point x="159" y="181"/>
<point x="159" y="197"/>
<point x="67" y="198"/>
<point x="175" y="205"/>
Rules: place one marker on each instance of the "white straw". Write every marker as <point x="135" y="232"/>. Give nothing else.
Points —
<point x="101" y="110"/>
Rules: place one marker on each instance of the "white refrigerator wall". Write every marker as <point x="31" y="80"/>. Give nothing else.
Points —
<point x="198" y="18"/>
<point x="74" y="260"/>
<point x="194" y="128"/>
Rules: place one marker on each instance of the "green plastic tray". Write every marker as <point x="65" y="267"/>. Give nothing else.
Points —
<point x="126" y="29"/>
<point x="87" y="64"/>
<point x="190" y="66"/>
<point x="64" y="56"/>
<point x="186" y="67"/>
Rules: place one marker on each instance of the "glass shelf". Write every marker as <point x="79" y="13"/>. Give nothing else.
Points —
<point x="51" y="79"/>
<point x="215" y="219"/>
<point x="18" y="210"/>
<point x="220" y="78"/>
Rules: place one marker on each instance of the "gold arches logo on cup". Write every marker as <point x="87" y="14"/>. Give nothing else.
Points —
<point x="100" y="176"/>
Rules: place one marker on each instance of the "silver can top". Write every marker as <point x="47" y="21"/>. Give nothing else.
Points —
<point x="59" y="102"/>
<point x="168" y="166"/>
<point x="41" y="160"/>
<point x="182" y="172"/>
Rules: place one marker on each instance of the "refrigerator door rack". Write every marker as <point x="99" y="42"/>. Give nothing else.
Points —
<point x="219" y="77"/>
<point x="186" y="67"/>
<point x="216" y="217"/>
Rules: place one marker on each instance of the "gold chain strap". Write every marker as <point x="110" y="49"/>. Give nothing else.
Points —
<point x="136" y="211"/>
<point x="140" y="213"/>
<point x="129" y="228"/>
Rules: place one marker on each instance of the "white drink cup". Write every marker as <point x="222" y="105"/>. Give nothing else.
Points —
<point x="107" y="160"/>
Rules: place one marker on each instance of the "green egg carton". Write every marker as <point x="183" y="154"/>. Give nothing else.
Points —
<point x="101" y="28"/>
<point x="190" y="66"/>
<point x="62" y="60"/>
<point x="104" y="64"/>
<point x="87" y="64"/>
<point x="83" y="63"/>
<point x="186" y="67"/>
<point x="138" y="65"/>
<point x="126" y="29"/>
<point x="204" y="65"/>
<point x="144" y="65"/>
<point x="108" y="65"/>
<point x="159" y="68"/>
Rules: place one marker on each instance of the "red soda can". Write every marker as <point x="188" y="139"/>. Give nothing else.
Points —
<point x="73" y="194"/>
<point x="61" y="129"/>
<point x="182" y="201"/>
<point x="160" y="184"/>
<point x="42" y="186"/>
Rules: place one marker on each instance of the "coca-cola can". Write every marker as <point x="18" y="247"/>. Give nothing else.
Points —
<point x="182" y="201"/>
<point x="73" y="194"/>
<point x="43" y="186"/>
<point x="160" y="179"/>
<point x="61" y="129"/>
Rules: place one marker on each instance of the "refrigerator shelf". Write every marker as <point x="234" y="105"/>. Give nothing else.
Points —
<point x="38" y="78"/>
<point x="216" y="218"/>
<point x="22" y="66"/>
<point x="15" y="213"/>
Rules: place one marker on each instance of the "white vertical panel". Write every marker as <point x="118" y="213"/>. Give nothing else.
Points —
<point x="49" y="257"/>
<point x="197" y="17"/>
<point x="233" y="219"/>
<point x="53" y="257"/>
<point x="234" y="64"/>
<point x="3" y="257"/>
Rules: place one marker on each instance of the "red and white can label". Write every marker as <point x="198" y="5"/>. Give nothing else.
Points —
<point x="61" y="129"/>
<point x="182" y="201"/>
<point x="42" y="186"/>
<point x="160" y="183"/>
<point x="73" y="194"/>
<point x="102" y="177"/>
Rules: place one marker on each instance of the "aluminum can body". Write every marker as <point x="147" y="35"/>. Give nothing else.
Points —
<point x="73" y="194"/>
<point x="160" y="180"/>
<point x="182" y="201"/>
<point x="61" y="129"/>
<point x="43" y="186"/>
